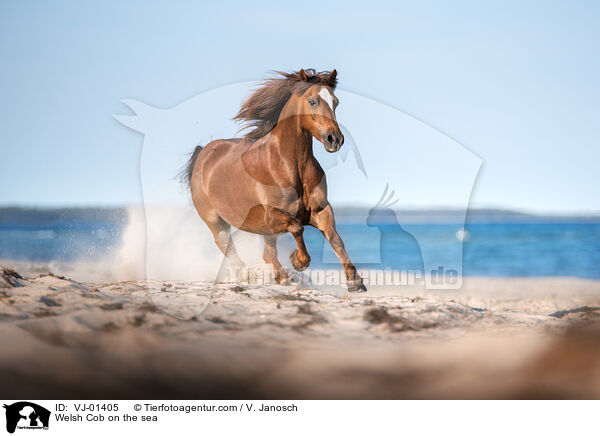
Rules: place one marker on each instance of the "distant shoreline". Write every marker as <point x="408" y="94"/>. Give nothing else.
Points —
<point x="347" y="214"/>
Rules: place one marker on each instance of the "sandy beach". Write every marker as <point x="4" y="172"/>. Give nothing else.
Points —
<point x="494" y="338"/>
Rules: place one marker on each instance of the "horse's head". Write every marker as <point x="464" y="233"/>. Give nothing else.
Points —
<point x="315" y="107"/>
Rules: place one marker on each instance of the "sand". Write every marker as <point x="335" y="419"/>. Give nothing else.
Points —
<point x="494" y="338"/>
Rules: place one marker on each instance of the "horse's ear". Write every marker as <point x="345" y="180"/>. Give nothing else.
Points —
<point x="332" y="79"/>
<point x="302" y="75"/>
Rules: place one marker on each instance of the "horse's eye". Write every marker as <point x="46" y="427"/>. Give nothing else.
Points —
<point x="312" y="102"/>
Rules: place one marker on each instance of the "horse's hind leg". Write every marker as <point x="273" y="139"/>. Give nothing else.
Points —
<point x="270" y="256"/>
<point x="221" y="232"/>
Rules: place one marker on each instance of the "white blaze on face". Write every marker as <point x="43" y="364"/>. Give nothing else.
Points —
<point x="325" y="94"/>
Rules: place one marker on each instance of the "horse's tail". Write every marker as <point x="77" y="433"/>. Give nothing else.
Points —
<point x="186" y="172"/>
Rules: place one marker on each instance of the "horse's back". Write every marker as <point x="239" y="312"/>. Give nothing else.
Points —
<point x="217" y="151"/>
<point x="220" y="148"/>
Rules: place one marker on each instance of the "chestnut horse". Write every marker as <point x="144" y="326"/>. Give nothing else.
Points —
<point x="269" y="182"/>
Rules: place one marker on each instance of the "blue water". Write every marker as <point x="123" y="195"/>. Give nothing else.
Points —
<point x="41" y="236"/>
<point x="490" y="249"/>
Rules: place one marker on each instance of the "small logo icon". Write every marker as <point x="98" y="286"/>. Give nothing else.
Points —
<point x="26" y="415"/>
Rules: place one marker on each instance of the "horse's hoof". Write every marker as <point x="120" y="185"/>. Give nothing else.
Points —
<point x="296" y="263"/>
<point x="357" y="286"/>
<point x="282" y="278"/>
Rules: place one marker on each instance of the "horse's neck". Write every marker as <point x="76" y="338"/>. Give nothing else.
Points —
<point x="292" y="143"/>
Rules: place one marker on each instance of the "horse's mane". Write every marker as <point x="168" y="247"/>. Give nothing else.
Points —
<point x="261" y="111"/>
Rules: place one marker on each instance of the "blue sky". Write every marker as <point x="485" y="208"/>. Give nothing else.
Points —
<point x="518" y="83"/>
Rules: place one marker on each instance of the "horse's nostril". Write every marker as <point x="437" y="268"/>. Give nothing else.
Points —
<point x="330" y="138"/>
<point x="342" y="141"/>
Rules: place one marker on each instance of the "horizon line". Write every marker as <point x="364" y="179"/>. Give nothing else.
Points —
<point x="344" y="206"/>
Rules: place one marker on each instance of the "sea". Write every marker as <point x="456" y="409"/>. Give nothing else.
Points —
<point x="490" y="242"/>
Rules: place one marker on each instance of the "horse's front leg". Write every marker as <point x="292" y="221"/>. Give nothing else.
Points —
<point x="325" y="222"/>
<point x="280" y="221"/>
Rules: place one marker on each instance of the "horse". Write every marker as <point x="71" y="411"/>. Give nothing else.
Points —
<point x="268" y="182"/>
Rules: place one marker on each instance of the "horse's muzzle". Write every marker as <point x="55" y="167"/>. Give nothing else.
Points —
<point x="333" y="142"/>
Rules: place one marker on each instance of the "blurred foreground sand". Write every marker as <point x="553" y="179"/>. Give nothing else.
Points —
<point x="496" y="338"/>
